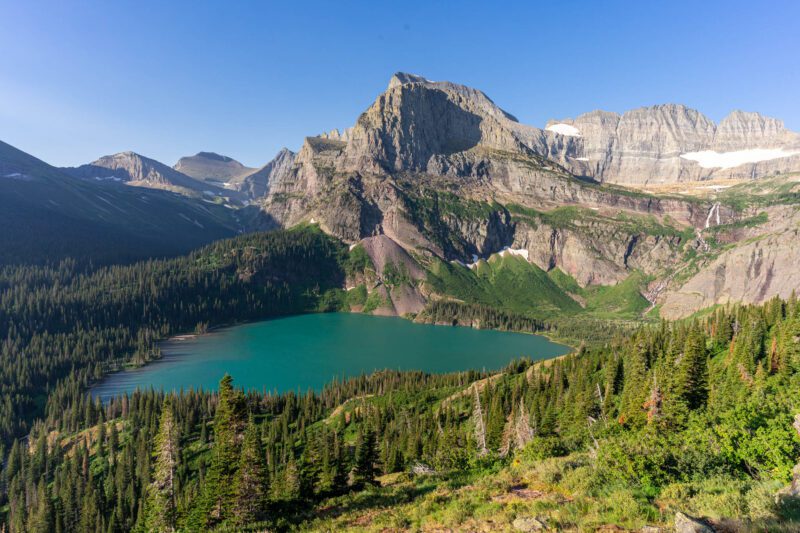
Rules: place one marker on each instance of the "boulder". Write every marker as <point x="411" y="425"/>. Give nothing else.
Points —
<point x="687" y="524"/>
<point x="528" y="523"/>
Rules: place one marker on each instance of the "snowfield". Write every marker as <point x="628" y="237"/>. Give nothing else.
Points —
<point x="711" y="159"/>
<point x="564" y="129"/>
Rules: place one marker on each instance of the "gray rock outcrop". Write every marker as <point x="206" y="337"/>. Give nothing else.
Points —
<point x="687" y="524"/>
<point x="255" y="183"/>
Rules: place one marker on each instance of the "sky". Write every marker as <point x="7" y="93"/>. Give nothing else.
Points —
<point x="82" y="79"/>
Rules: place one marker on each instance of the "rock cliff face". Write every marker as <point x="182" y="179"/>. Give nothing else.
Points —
<point x="595" y="252"/>
<point x="417" y="120"/>
<point x="672" y="143"/>
<point x="255" y="183"/>
<point x="762" y="264"/>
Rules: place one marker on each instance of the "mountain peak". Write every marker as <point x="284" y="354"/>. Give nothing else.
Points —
<point x="211" y="167"/>
<point x="214" y="156"/>
<point x="401" y="78"/>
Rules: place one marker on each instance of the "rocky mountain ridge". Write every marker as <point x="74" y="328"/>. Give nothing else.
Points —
<point x="673" y="143"/>
<point x="137" y="170"/>
<point x="442" y="171"/>
<point x="48" y="215"/>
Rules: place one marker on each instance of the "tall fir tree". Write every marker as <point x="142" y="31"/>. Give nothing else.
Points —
<point x="366" y="457"/>
<point x="216" y="503"/>
<point x="691" y="381"/>
<point x="161" y="507"/>
<point x="251" y="481"/>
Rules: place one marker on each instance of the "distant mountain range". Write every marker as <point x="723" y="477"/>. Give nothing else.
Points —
<point x="697" y="213"/>
<point x="47" y="214"/>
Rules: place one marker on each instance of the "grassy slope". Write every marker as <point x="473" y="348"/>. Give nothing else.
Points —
<point x="513" y="284"/>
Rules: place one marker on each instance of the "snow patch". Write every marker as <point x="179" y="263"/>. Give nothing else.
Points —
<point x="564" y="129"/>
<point x="711" y="159"/>
<point x="353" y="246"/>
<point x="581" y="159"/>
<point x="715" y="187"/>
<point x="521" y="252"/>
<point x="473" y="264"/>
<point x="18" y="176"/>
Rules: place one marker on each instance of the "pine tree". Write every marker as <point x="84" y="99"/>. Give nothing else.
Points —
<point x="788" y="356"/>
<point x="217" y="501"/>
<point x="161" y="505"/>
<point x="250" y="483"/>
<point x="636" y="386"/>
<point x="291" y="481"/>
<point x="691" y="380"/>
<point x="42" y="520"/>
<point x="366" y="457"/>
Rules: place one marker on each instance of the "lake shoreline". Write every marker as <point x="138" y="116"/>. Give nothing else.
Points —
<point x="215" y="329"/>
<point x="348" y="344"/>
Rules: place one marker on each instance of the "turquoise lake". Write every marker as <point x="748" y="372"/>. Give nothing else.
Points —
<point x="307" y="351"/>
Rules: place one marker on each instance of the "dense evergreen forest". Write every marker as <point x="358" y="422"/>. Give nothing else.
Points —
<point x="655" y="412"/>
<point x="648" y="414"/>
<point x="64" y="325"/>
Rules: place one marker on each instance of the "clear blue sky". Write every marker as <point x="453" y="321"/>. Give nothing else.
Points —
<point x="86" y="78"/>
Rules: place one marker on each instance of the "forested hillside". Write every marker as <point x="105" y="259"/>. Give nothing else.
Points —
<point x="67" y="325"/>
<point x="695" y="417"/>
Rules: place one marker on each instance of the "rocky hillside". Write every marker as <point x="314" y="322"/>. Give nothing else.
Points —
<point x="673" y="143"/>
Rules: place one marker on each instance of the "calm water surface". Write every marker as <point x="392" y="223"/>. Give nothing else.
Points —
<point x="308" y="351"/>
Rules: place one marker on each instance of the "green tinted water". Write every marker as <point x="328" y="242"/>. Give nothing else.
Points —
<point x="307" y="351"/>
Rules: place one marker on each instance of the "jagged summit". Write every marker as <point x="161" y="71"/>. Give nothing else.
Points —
<point x="256" y="183"/>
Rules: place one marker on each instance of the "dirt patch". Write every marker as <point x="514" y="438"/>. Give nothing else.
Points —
<point x="519" y="492"/>
<point x="339" y="408"/>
